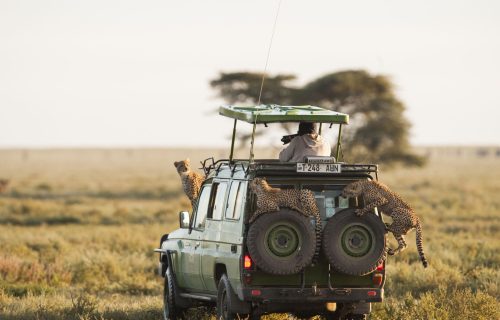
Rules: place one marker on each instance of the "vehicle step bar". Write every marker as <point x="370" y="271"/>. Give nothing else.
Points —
<point x="198" y="296"/>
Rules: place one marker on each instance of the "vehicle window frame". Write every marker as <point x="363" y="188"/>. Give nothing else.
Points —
<point x="213" y="197"/>
<point x="242" y="185"/>
<point x="196" y="210"/>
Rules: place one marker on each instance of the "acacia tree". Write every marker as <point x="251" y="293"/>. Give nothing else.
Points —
<point x="244" y="87"/>
<point x="378" y="131"/>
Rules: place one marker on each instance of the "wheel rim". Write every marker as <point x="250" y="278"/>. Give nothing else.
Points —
<point x="283" y="240"/>
<point x="356" y="240"/>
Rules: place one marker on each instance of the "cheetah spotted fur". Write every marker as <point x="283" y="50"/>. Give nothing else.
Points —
<point x="376" y="194"/>
<point x="191" y="181"/>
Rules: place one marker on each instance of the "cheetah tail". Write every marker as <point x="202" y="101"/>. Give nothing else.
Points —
<point x="419" y="244"/>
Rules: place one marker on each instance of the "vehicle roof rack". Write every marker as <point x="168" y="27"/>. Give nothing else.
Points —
<point x="275" y="113"/>
<point x="272" y="165"/>
<point x="264" y="114"/>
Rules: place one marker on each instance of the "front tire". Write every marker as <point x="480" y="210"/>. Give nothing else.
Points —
<point x="170" y="310"/>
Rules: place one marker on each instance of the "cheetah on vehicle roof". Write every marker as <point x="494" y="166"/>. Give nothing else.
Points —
<point x="376" y="194"/>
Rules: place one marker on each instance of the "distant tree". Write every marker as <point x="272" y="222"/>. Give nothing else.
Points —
<point x="244" y="87"/>
<point x="378" y="131"/>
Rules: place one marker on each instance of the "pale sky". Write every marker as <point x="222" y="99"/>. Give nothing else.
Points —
<point x="136" y="73"/>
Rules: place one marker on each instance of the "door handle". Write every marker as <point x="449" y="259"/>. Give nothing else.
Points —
<point x="197" y="244"/>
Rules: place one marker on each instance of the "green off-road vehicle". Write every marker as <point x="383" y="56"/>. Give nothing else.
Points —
<point x="283" y="261"/>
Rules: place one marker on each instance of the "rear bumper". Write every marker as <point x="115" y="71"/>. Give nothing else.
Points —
<point x="292" y="295"/>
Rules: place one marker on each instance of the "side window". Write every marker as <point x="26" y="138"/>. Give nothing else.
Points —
<point x="217" y="203"/>
<point x="201" y="212"/>
<point x="235" y="200"/>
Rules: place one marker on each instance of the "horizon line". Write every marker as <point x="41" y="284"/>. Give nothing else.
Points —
<point x="118" y="147"/>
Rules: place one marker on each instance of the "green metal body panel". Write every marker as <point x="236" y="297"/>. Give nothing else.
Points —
<point x="275" y="113"/>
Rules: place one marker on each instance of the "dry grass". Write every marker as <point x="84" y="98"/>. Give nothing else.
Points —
<point x="77" y="229"/>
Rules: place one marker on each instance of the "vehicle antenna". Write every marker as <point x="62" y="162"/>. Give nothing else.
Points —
<point x="269" y="52"/>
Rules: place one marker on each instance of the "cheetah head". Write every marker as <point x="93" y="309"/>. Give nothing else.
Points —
<point x="182" y="166"/>
<point x="258" y="183"/>
<point x="353" y="189"/>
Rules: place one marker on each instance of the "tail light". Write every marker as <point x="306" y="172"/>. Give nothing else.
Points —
<point x="378" y="276"/>
<point x="256" y="292"/>
<point x="381" y="266"/>
<point x="377" y="279"/>
<point x="247" y="262"/>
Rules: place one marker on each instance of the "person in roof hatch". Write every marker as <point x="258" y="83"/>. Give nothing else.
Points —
<point x="307" y="142"/>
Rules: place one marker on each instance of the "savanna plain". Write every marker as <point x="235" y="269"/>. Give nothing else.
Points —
<point x="78" y="229"/>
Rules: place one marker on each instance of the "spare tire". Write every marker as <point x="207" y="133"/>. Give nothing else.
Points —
<point x="282" y="242"/>
<point x="354" y="245"/>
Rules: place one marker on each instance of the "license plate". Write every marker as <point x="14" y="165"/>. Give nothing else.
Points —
<point x="319" y="167"/>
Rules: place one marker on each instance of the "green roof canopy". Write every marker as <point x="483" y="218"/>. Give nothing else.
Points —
<point x="274" y="113"/>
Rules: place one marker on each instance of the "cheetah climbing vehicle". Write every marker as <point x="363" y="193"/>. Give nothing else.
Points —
<point x="283" y="261"/>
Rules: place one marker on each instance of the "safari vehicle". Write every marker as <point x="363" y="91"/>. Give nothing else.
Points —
<point x="217" y="257"/>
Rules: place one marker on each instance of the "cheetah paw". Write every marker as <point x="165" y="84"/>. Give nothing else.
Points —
<point x="358" y="212"/>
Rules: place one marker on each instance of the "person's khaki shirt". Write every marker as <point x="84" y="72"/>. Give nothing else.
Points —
<point x="305" y="145"/>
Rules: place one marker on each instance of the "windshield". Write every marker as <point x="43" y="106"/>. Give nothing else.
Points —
<point x="329" y="199"/>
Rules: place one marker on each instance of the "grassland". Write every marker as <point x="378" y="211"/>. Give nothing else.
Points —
<point x="77" y="229"/>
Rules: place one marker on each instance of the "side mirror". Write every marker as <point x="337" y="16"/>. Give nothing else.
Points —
<point x="184" y="220"/>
